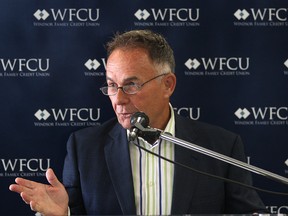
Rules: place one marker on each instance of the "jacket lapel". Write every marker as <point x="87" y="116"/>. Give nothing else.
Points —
<point x="118" y="161"/>
<point x="119" y="166"/>
<point x="185" y="181"/>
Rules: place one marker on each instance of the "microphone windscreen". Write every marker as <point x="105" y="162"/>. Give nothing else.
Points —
<point x="140" y="117"/>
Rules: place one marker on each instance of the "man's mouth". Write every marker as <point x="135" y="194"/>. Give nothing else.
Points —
<point x="126" y="115"/>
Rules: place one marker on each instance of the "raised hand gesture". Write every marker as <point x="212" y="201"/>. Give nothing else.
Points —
<point x="46" y="199"/>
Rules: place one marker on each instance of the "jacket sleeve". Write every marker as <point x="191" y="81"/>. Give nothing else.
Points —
<point x="71" y="178"/>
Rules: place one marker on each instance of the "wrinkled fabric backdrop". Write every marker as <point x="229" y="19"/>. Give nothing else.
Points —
<point x="231" y="68"/>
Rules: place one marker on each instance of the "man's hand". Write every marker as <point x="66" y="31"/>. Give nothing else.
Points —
<point x="46" y="199"/>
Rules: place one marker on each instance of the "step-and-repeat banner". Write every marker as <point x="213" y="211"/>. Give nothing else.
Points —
<point x="231" y="66"/>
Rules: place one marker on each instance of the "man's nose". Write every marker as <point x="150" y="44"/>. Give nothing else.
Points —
<point x="121" y="97"/>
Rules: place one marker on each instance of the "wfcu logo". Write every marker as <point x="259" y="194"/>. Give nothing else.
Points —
<point x="95" y="67"/>
<point x="278" y="210"/>
<point x="24" y="67"/>
<point x="24" y="167"/>
<point x="191" y="112"/>
<point x="67" y="117"/>
<point x="67" y="17"/>
<point x="273" y="116"/>
<point x="218" y="66"/>
<point x="271" y="17"/>
<point x="175" y="17"/>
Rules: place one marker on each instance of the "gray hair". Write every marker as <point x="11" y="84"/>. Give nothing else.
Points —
<point x="158" y="48"/>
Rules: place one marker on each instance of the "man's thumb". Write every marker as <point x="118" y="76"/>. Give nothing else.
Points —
<point x="52" y="178"/>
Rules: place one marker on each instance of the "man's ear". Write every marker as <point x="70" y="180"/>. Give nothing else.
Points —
<point x="170" y="84"/>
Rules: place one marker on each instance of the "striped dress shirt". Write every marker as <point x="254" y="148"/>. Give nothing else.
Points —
<point x="152" y="176"/>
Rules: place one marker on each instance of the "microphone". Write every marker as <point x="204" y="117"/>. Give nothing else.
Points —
<point x="140" y="127"/>
<point x="138" y="119"/>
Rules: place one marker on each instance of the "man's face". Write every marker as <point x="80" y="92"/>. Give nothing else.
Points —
<point x="133" y="66"/>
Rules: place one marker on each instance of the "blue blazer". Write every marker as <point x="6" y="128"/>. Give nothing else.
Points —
<point x="98" y="178"/>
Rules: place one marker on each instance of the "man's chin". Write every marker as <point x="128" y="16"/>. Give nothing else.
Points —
<point x="125" y="124"/>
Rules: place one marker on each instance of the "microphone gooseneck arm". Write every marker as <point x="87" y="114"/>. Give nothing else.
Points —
<point x="224" y="158"/>
<point x="152" y="134"/>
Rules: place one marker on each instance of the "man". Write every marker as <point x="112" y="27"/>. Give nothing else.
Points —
<point x="105" y="173"/>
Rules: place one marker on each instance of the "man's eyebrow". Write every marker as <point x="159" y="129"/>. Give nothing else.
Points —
<point x="133" y="78"/>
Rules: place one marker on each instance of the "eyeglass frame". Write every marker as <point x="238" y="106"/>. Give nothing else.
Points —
<point x="139" y="87"/>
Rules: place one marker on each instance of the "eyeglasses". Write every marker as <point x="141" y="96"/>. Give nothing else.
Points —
<point x="130" y="89"/>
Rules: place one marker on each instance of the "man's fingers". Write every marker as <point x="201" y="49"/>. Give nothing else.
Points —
<point x="22" y="185"/>
<point x="34" y="206"/>
<point x="25" y="198"/>
<point x="16" y="188"/>
<point x="25" y="183"/>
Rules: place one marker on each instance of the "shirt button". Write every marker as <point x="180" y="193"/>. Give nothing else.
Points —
<point x="151" y="183"/>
